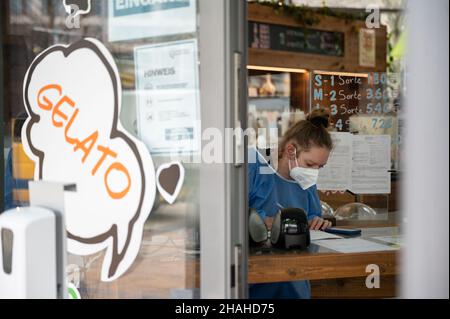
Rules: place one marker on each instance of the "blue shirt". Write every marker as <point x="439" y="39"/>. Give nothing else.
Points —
<point x="267" y="192"/>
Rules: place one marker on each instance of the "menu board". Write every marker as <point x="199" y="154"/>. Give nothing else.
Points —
<point x="359" y="103"/>
<point x="295" y="39"/>
<point x="354" y="95"/>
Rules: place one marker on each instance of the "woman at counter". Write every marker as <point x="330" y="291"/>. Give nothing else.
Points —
<point x="304" y="149"/>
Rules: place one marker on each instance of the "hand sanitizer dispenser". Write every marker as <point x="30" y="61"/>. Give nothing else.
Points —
<point x="33" y="245"/>
<point x="28" y="254"/>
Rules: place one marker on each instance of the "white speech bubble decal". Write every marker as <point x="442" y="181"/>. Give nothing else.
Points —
<point x="73" y="134"/>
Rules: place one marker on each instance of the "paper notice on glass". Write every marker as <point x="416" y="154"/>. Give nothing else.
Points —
<point x="319" y="235"/>
<point x="369" y="181"/>
<point x="337" y="174"/>
<point x="370" y="164"/>
<point x="372" y="151"/>
<point x="168" y="103"/>
<point x="139" y="19"/>
<point x="353" y="245"/>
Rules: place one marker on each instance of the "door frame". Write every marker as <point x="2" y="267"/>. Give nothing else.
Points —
<point x="223" y="186"/>
<point x="3" y="7"/>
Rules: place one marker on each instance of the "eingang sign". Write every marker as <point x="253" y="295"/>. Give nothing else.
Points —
<point x="130" y="7"/>
<point x="137" y="19"/>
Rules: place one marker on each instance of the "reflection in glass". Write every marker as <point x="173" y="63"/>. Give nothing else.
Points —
<point x="355" y="211"/>
<point x="167" y="264"/>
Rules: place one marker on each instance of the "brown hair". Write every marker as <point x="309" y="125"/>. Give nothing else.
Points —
<point x="310" y="132"/>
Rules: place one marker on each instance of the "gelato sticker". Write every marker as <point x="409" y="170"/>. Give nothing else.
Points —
<point x="73" y="98"/>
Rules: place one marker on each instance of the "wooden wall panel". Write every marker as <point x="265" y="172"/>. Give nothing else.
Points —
<point x="348" y="63"/>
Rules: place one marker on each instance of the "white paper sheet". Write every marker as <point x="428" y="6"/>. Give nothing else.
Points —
<point x="370" y="181"/>
<point x="319" y="235"/>
<point x="372" y="151"/>
<point x="397" y="240"/>
<point x="370" y="164"/>
<point x="379" y="232"/>
<point x="353" y="245"/>
<point x="337" y="174"/>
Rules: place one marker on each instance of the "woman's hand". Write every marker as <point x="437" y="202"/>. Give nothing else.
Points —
<point x="269" y="221"/>
<point x="318" y="223"/>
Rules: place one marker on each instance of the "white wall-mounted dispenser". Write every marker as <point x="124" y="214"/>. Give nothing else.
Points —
<point x="28" y="254"/>
<point x="33" y="245"/>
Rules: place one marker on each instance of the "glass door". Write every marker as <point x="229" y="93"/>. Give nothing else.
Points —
<point x="117" y="97"/>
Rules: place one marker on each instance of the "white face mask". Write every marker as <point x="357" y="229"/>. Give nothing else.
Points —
<point x="305" y="177"/>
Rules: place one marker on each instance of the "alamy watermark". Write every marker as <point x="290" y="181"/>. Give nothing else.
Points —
<point x="74" y="9"/>
<point x="373" y="18"/>
<point x="373" y="279"/>
<point x="219" y="146"/>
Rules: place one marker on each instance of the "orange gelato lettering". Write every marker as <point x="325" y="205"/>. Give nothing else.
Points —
<point x="120" y="168"/>
<point x="57" y="112"/>
<point x="71" y="140"/>
<point x="61" y="118"/>
<point x="106" y="152"/>
<point x="87" y="145"/>
<point x="43" y="102"/>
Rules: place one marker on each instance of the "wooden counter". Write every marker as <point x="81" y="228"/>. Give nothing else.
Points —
<point x="332" y="274"/>
<point x="167" y="264"/>
<point x="290" y="267"/>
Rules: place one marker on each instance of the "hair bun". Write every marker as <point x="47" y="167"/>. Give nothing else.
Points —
<point x="320" y="121"/>
<point x="320" y="117"/>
